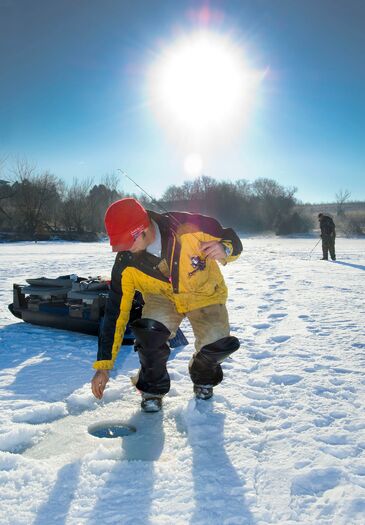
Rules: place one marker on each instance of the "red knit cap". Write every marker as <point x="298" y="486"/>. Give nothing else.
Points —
<point x="124" y="221"/>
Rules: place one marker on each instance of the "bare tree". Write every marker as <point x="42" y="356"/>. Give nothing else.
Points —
<point x="76" y="206"/>
<point x="34" y="197"/>
<point x="22" y="170"/>
<point x="5" y="191"/>
<point x="111" y="181"/>
<point x="191" y="189"/>
<point x="3" y="160"/>
<point x="99" y="198"/>
<point x="275" y="203"/>
<point x="341" y="198"/>
<point x="244" y="188"/>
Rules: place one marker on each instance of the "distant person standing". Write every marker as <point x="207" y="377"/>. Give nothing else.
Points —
<point x="328" y="235"/>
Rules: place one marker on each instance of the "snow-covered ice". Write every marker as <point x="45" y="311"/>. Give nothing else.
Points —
<point x="282" y="441"/>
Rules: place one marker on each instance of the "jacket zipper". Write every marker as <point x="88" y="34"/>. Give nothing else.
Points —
<point x="175" y="288"/>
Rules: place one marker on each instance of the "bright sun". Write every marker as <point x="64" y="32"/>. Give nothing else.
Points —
<point x="201" y="84"/>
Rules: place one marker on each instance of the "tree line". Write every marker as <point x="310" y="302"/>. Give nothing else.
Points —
<point x="40" y="205"/>
<point x="261" y="205"/>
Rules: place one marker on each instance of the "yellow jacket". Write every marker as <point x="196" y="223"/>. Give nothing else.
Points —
<point x="174" y="275"/>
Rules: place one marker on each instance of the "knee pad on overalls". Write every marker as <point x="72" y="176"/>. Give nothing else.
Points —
<point x="205" y="367"/>
<point x="151" y="344"/>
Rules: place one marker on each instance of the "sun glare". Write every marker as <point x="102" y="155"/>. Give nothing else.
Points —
<point x="193" y="165"/>
<point x="201" y="84"/>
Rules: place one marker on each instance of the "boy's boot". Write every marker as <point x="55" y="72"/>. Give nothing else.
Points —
<point x="205" y="366"/>
<point x="153" y="379"/>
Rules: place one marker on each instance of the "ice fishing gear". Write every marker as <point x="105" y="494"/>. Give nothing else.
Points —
<point x="73" y="303"/>
<point x="312" y="250"/>
<point x="198" y="262"/>
<point x="162" y="208"/>
<point x="68" y="302"/>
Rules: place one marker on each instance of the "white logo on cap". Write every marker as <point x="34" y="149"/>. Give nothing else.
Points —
<point x="137" y="231"/>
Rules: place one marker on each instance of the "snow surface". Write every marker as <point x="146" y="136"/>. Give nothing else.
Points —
<point x="281" y="442"/>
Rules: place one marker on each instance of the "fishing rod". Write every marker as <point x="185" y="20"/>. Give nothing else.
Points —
<point x="150" y="196"/>
<point x="198" y="263"/>
<point x="312" y="250"/>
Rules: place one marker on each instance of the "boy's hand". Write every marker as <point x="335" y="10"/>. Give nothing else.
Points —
<point x="213" y="250"/>
<point x="98" y="383"/>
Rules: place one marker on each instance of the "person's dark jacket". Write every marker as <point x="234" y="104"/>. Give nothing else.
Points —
<point x="327" y="226"/>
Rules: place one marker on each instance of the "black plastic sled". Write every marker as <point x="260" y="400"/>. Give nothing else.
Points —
<point x="72" y="303"/>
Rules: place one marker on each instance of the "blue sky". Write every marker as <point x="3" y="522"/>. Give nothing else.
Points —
<point x="73" y="95"/>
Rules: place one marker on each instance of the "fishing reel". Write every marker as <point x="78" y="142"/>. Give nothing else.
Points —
<point x="198" y="264"/>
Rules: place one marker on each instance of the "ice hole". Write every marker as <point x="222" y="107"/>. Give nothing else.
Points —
<point x="111" y="429"/>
